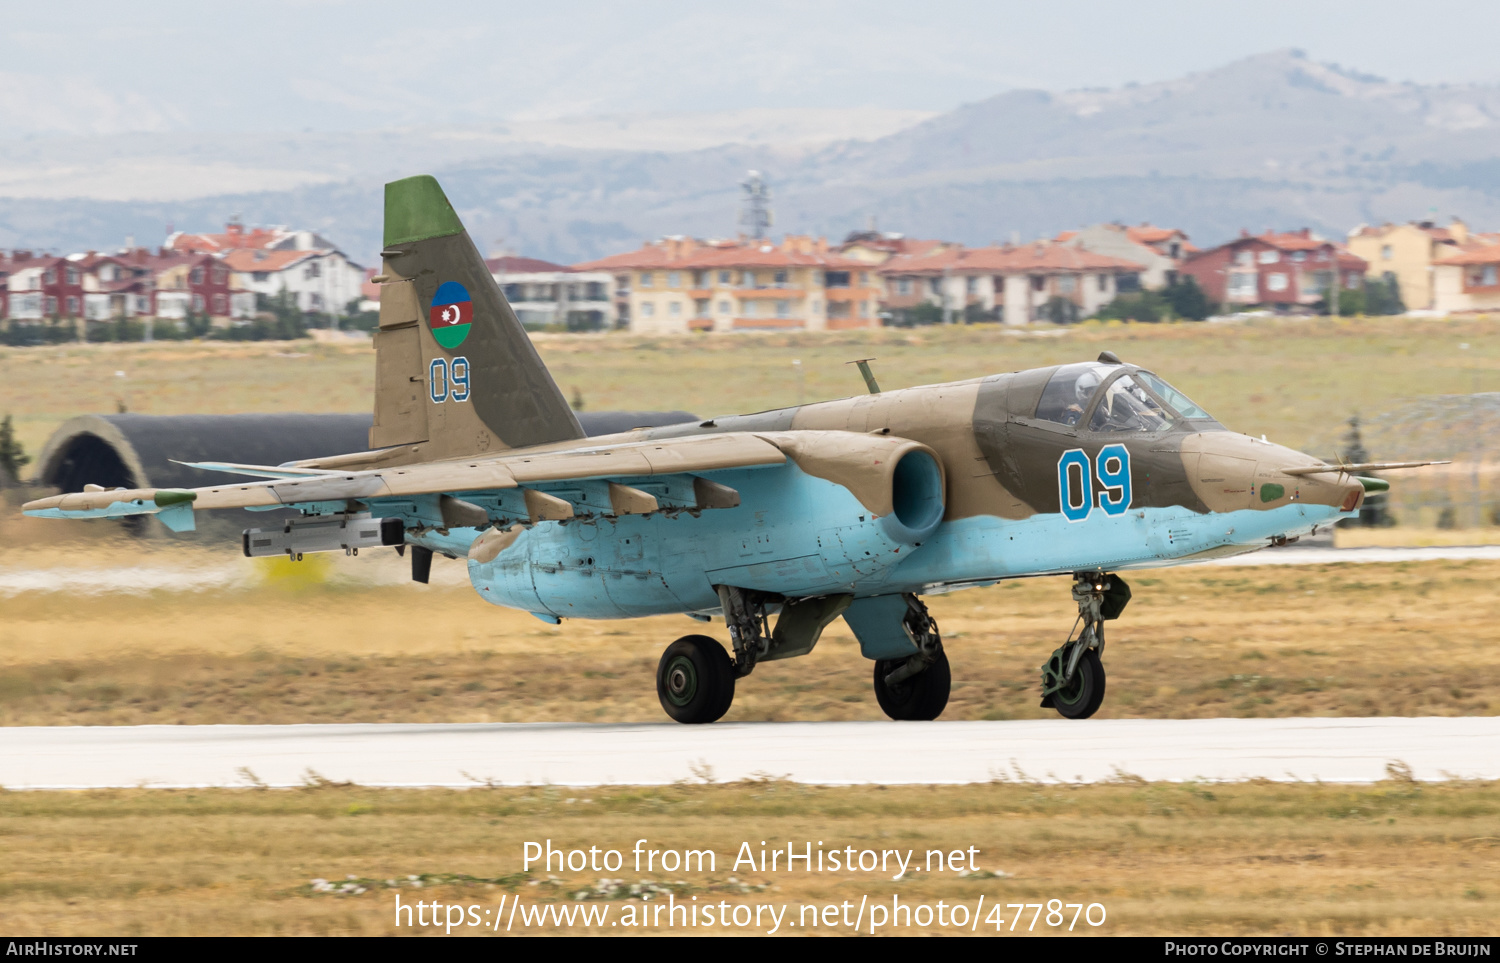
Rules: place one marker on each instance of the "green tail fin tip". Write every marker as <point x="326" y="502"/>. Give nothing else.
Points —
<point x="417" y="209"/>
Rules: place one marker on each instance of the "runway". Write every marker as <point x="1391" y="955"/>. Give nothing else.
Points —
<point x="829" y="753"/>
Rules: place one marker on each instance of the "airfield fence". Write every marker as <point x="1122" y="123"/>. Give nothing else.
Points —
<point x="1463" y="429"/>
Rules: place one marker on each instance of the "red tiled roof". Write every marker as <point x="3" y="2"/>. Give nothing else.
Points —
<point x="1297" y="241"/>
<point x="245" y="259"/>
<point x="1291" y="242"/>
<point x="8" y="262"/>
<point x="647" y="256"/>
<point x="1426" y="227"/>
<point x="1149" y="234"/>
<point x="707" y="256"/>
<point x="523" y="265"/>
<point x="1028" y="258"/>
<point x="764" y="256"/>
<point x="1474" y="254"/>
<point x="228" y="241"/>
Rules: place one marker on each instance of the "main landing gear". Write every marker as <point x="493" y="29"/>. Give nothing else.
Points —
<point x="696" y="677"/>
<point x="1073" y="679"/>
<point x="915" y="688"/>
<point x="695" y="680"/>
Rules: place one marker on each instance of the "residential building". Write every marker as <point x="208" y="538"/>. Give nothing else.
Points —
<point x="542" y="293"/>
<point x="1013" y="284"/>
<point x="42" y="286"/>
<point x="624" y="268"/>
<point x="1159" y="250"/>
<point x="321" y="280"/>
<point x="681" y="284"/>
<point x="1468" y="280"/>
<point x="161" y="284"/>
<point x="268" y="261"/>
<point x="1284" y="271"/>
<point x="1408" y="251"/>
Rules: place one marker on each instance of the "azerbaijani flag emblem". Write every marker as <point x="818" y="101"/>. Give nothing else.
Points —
<point x="451" y="314"/>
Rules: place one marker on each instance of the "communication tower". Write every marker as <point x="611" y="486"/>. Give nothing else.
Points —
<point x="756" y="216"/>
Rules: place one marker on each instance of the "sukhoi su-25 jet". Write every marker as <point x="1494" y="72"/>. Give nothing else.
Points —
<point x="778" y="522"/>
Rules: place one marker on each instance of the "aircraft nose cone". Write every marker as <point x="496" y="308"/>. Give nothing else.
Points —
<point x="1275" y="487"/>
<point x="1232" y="472"/>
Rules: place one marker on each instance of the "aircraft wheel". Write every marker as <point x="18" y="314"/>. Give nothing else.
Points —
<point x="695" y="680"/>
<point x="919" y="698"/>
<point x="1085" y="694"/>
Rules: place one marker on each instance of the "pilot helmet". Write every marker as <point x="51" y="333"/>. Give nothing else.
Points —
<point x="1084" y="387"/>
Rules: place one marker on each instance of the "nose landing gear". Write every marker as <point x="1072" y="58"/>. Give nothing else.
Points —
<point x="1073" y="678"/>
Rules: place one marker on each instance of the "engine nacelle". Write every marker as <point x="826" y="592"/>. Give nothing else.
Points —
<point x="324" y="533"/>
<point x="900" y="481"/>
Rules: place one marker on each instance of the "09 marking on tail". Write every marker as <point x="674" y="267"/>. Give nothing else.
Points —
<point x="440" y="388"/>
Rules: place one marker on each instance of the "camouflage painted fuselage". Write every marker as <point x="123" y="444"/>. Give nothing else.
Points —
<point x="1192" y="490"/>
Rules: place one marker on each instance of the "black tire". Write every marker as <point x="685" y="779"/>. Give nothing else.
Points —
<point x="695" y="680"/>
<point x="921" y="698"/>
<point x="1083" y="697"/>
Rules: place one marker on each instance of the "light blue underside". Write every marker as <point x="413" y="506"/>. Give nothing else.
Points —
<point x="792" y="534"/>
<point x="801" y="536"/>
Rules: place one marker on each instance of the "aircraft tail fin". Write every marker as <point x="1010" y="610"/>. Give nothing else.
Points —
<point x="455" y="373"/>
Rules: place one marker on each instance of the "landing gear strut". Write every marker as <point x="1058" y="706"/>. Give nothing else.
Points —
<point x="1073" y="679"/>
<point x="916" y="687"/>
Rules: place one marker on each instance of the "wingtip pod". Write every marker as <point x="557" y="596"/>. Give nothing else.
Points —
<point x="113" y="503"/>
<point x="417" y="209"/>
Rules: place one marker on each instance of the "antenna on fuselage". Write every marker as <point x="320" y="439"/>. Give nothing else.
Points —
<point x="1109" y="357"/>
<point x="864" y="369"/>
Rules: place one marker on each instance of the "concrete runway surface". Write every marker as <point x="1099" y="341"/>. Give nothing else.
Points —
<point x="829" y="753"/>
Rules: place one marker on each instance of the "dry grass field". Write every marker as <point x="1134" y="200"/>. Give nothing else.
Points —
<point x="283" y="642"/>
<point x="1288" y="378"/>
<point x="1396" y="858"/>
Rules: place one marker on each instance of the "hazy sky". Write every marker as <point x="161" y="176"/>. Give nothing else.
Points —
<point x="95" y="67"/>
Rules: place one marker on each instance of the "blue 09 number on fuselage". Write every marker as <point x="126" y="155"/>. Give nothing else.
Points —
<point x="1077" y="477"/>
<point x="448" y="380"/>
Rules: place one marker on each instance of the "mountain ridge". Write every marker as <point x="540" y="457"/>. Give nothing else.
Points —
<point x="1273" y="140"/>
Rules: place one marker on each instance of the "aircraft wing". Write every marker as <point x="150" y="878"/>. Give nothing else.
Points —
<point x="511" y="470"/>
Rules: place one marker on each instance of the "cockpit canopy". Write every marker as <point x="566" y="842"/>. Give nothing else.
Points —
<point x="1115" y="398"/>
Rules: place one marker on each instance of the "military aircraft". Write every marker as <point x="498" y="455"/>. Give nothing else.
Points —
<point x="855" y="508"/>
